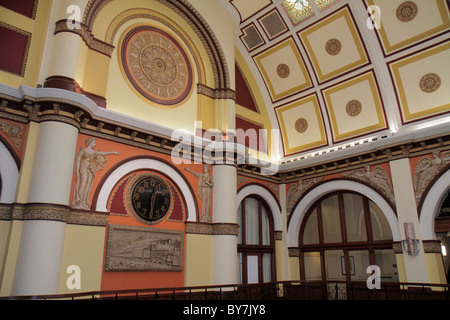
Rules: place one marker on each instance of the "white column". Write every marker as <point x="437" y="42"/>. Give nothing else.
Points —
<point x="415" y="265"/>
<point x="41" y="246"/>
<point x="225" y="263"/>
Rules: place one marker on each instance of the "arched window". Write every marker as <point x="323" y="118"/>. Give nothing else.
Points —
<point x="255" y="241"/>
<point x="342" y="234"/>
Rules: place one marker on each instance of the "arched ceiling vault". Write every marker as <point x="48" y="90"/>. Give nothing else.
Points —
<point x="340" y="73"/>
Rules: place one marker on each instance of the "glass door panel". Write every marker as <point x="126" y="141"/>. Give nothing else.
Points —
<point x="355" y="221"/>
<point x="252" y="269"/>
<point x="335" y="271"/>
<point x="358" y="260"/>
<point x="387" y="262"/>
<point x="331" y="220"/>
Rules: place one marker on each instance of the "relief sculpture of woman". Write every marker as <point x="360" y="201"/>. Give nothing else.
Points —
<point x="87" y="162"/>
<point x="205" y="185"/>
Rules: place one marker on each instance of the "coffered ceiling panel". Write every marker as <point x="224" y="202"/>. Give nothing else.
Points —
<point x="283" y="70"/>
<point x="422" y="82"/>
<point x="407" y="22"/>
<point x="355" y="108"/>
<point x="328" y="78"/>
<point x="334" y="45"/>
<point x="248" y="8"/>
<point x="302" y="125"/>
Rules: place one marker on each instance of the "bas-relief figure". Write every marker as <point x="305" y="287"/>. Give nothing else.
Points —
<point x="205" y="185"/>
<point x="426" y="170"/>
<point x="87" y="162"/>
<point x="378" y="178"/>
<point x="297" y="190"/>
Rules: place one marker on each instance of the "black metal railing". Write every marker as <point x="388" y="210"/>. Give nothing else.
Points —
<point x="285" y="290"/>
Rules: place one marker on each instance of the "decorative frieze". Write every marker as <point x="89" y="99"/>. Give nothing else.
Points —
<point x="52" y="212"/>
<point x="212" y="228"/>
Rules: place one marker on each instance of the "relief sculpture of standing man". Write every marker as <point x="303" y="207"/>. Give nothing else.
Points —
<point x="87" y="162"/>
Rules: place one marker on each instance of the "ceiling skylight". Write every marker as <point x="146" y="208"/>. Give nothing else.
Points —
<point x="298" y="10"/>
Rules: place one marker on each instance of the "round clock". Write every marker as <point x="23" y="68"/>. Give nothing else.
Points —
<point x="156" y="65"/>
<point x="149" y="198"/>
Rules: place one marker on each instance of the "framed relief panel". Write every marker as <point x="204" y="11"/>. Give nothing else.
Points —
<point x="131" y="248"/>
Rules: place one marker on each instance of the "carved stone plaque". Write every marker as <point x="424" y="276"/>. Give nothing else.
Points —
<point x="156" y="65"/>
<point x="131" y="248"/>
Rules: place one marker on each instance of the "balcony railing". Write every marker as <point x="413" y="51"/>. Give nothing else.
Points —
<point x="285" y="290"/>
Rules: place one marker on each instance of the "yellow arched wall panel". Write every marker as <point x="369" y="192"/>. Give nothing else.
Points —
<point x="107" y="79"/>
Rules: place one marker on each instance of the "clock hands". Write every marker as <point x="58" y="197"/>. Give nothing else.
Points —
<point x="153" y="199"/>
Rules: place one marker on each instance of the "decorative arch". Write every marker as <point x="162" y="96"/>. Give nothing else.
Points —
<point x="431" y="203"/>
<point x="267" y="196"/>
<point x="327" y="187"/>
<point x="105" y="189"/>
<point x="197" y="23"/>
<point x="9" y="175"/>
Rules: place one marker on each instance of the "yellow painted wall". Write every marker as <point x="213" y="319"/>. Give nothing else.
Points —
<point x="294" y="269"/>
<point x="83" y="247"/>
<point x="198" y="260"/>
<point x="435" y="265"/>
<point x="9" y="256"/>
<point x="96" y="73"/>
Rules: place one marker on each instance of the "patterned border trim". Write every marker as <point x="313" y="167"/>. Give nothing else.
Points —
<point x="216" y="93"/>
<point x="92" y="42"/>
<point x="52" y="212"/>
<point x="212" y="229"/>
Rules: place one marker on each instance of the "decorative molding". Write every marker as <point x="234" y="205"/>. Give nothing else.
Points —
<point x="76" y="112"/>
<point x="294" y="252"/>
<point x="430" y="82"/>
<point x="212" y="228"/>
<point x="353" y="108"/>
<point x="333" y="47"/>
<point x="427" y="169"/>
<point x="301" y="125"/>
<point x="432" y="246"/>
<point x="92" y="42"/>
<point x="297" y="190"/>
<point x="398" y="248"/>
<point x="216" y="93"/>
<point x="406" y="11"/>
<point x="378" y="179"/>
<point x="278" y="235"/>
<point x="14" y="132"/>
<point x="283" y="71"/>
<point x="52" y="212"/>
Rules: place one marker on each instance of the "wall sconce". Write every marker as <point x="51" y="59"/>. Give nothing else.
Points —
<point x="444" y="250"/>
<point x="410" y="244"/>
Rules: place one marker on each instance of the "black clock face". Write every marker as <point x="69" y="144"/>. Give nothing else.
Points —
<point x="151" y="198"/>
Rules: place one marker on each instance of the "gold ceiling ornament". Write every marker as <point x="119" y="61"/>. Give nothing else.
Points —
<point x="430" y="83"/>
<point x="406" y="11"/>
<point x="353" y="108"/>
<point x="283" y="71"/>
<point x="156" y="65"/>
<point x="301" y="125"/>
<point x="333" y="47"/>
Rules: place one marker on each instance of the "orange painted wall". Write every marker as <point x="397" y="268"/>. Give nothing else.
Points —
<point x="128" y="279"/>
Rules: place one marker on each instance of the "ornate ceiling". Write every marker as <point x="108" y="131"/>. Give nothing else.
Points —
<point x="329" y="78"/>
